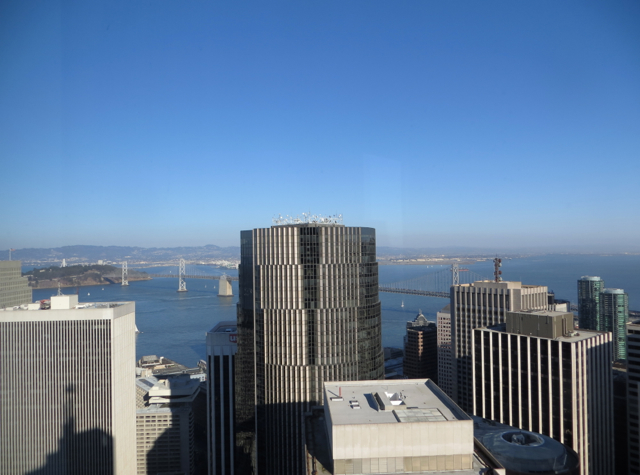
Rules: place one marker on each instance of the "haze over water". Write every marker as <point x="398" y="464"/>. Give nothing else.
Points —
<point x="174" y="324"/>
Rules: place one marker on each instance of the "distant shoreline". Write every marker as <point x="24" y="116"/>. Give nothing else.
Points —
<point x="441" y="262"/>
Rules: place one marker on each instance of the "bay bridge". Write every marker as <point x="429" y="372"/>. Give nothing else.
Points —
<point x="435" y="284"/>
<point x="182" y="275"/>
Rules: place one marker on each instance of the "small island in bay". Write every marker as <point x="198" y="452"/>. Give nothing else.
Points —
<point x="80" y="276"/>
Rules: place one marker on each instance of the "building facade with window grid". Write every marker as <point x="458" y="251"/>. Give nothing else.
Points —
<point x="165" y="424"/>
<point x="614" y="313"/>
<point x="561" y="387"/>
<point x="482" y="304"/>
<point x="67" y="394"/>
<point x="589" y="290"/>
<point x="221" y="359"/>
<point x="633" y="396"/>
<point x="14" y="289"/>
<point x="421" y="350"/>
<point x="445" y="358"/>
<point x="308" y="312"/>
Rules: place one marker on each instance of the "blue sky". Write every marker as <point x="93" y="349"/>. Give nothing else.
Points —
<point x="165" y="122"/>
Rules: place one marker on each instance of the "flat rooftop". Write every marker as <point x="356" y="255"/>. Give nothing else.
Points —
<point x="578" y="334"/>
<point x="389" y="401"/>
<point x="522" y="451"/>
<point x="225" y="327"/>
<point x="79" y="306"/>
<point x="503" y="284"/>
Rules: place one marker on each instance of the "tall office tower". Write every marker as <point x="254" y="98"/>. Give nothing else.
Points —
<point x="421" y="349"/>
<point x="14" y="289"/>
<point x="482" y="304"/>
<point x="633" y="396"/>
<point x="308" y="313"/>
<point x="445" y="357"/>
<point x="620" y="418"/>
<point x="614" y="314"/>
<point x="536" y="373"/>
<point x="165" y="424"/>
<point x="221" y="358"/>
<point x="67" y="399"/>
<point x="589" y="289"/>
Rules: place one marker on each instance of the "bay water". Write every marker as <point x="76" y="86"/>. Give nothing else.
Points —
<point x="173" y="324"/>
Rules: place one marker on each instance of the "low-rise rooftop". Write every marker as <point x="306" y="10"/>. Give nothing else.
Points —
<point x="395" y="401"/>
<point x="225" y="327"/>
<point x="524" y="452"/>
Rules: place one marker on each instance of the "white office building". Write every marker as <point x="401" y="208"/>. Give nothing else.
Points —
<point x="481" y="304"/>
<point x="67" y="393"/>
<point x="538" y="374"/>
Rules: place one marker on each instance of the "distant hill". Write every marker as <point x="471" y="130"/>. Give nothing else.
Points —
<point x="90" y="254"/>
<point x="156" y="255"/>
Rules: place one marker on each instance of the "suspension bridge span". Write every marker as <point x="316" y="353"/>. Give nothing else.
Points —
<point x="435" y="284"/>
<point x="181" y="275"/>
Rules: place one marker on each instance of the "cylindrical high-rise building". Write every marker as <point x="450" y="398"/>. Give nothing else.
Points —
<point x="308" y="313"/>
<point x="589" y="289"/>
<point x="614" y="312"/>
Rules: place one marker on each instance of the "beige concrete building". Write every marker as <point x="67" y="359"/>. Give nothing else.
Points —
<point x="538" y="374"/>
<point x="482" y="304"/>
<point x="445" y="357"/>
<point x="14" y="289"/>
<point x="67" y="399"/>
<point x="165" y="424"/>
<point x="400" y="426"/>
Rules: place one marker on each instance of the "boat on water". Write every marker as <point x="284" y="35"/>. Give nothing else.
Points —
<point x="402" y="304"/>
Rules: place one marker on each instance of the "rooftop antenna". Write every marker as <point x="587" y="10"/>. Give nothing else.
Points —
<point x="59" y="289"/>
<point x="497" y="263"/>
<point x="10" y="253"/>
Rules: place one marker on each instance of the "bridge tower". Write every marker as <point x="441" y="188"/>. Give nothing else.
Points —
<point x="182" y="285"/>
<point x="455" y="274"/>
<point x="125" y="274"/>
<point x="224" y="289"/>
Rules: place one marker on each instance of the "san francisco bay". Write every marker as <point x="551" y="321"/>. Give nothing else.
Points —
<point x="173" y="324"/>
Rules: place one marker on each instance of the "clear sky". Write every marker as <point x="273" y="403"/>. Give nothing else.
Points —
<point x="166" y="122"/>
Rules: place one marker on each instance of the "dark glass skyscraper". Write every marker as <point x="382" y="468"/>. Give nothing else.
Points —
<point x="614" y="313"/>
<point x="589" y="289"/>
<point x="308" y="313"/>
